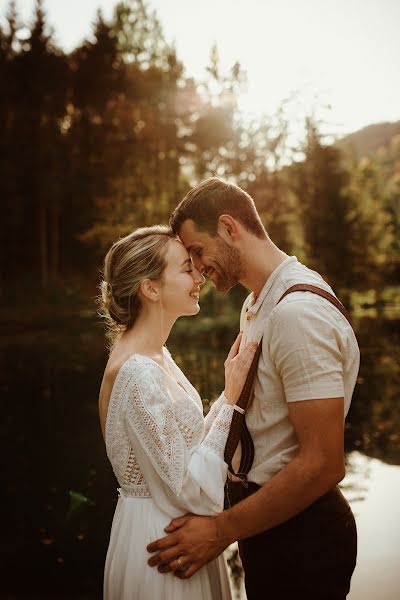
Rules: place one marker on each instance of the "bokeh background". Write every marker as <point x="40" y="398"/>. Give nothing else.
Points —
<point x="106" y="120"/>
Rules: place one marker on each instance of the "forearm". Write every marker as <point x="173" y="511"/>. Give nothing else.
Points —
<point x="289" y="492"/>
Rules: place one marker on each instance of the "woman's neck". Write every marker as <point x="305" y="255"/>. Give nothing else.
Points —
<point x="148" y="334"/>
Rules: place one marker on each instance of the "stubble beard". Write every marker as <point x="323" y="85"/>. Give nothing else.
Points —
<point x="230" y="266"/>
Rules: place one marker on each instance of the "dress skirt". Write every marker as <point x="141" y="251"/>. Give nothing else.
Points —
<point x="136" y="523"/>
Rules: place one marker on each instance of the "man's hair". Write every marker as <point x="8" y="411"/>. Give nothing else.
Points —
<point x="206" y="202"/>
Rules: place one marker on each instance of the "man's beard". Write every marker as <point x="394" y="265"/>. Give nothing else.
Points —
<point x="229" y="266"/>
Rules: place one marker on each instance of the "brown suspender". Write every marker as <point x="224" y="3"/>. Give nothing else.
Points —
<point x="238" y="430"/>
<point x="304" y="287"/>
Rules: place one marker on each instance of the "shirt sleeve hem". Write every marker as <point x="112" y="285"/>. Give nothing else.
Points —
<point x="315" y="395"/>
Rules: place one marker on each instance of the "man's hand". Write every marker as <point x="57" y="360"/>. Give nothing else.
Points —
<point x="194" y="542"/>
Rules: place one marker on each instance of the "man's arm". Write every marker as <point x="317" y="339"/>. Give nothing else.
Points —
<point x="318" y="466"/>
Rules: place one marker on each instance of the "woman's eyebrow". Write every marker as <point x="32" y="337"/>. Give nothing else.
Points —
<point x="188" y="260"/>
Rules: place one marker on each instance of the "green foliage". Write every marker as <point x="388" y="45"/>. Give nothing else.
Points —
<point x="372" y="233"/>
<point x="318" y="183"/>
<point x="347" y="229"/>
<point x="33" y="107"/>
<point x="111" y="136"/>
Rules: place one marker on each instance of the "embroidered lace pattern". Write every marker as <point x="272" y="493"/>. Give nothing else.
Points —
<point x="117" y="446"/>
<point x="151" y="419"/>
<point x="142" y="412"/>
<point x="213" y="413"/>
<point x="133" y="475"/>
<point x="218" y="434"/>
<point x="136" y="491"/>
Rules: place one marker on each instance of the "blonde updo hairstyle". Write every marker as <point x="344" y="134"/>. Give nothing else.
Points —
<point x="133" y="258"/>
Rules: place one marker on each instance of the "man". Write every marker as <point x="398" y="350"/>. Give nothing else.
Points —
<point x="296" y="532"/>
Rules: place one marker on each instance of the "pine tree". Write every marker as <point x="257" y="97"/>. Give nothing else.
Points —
<point x="40" y="104"/>
<point x="320" y="182"/>
<point x="371" y="227"/>
<point x="143" y="139"/>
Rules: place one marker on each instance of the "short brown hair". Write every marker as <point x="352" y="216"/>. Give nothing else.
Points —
<point x="210" y="199"/>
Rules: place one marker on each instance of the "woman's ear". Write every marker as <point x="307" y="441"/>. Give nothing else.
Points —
<point x="150" y="290"/>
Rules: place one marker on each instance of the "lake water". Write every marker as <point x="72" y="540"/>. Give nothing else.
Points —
<point x="59" y="488"/>
<point x="377" y="575"/>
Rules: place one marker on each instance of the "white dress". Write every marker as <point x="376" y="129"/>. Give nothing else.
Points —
<point x="168" y="461"/>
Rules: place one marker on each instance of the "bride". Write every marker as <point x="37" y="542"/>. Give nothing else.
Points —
<point x="167" y="458"/>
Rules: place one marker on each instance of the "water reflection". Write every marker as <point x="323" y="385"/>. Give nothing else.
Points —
<point x="59" y="487"/>
<point x="377" y="574"/>
<point x="374" y="417"/>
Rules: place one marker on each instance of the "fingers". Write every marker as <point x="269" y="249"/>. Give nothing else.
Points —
<point x="243" y="361"/>
<point x="237" y="371"/>
<point x="166" y="557"/>
<point x="187" y="573"/>
<point x="181" y="568"/>
<point x="235" y="347"/>
<point x="245" y="356"/>
<point x="162" y="543"/>
<point x="177" y="523"/>
<point x="179" y="564"/>
<point x="165" y="568"/>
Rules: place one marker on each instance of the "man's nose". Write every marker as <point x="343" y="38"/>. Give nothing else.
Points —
<point x="198" y="263"/>
<point x="198" y="276"/>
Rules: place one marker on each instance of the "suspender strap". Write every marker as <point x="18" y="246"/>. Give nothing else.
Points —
<point x="238" y="430"/>
<point x="304" y="287"/>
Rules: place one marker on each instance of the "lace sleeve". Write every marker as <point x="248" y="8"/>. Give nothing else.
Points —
<point x="213" y="412"/>
<point x="217" y="435"/>
<point x="151" y="424"/>
<point x="161" y="449"/>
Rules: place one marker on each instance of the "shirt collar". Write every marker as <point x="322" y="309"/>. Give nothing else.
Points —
<point x="253" y="308"/>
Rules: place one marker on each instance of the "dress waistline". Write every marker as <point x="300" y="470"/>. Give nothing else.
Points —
<point x="134" y="491"/>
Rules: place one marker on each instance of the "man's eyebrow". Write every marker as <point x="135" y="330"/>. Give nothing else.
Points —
<point x="193" y="246"/>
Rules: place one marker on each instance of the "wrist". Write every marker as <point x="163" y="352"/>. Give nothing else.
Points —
<point x="227" y="398"/>
<point x="226" y="528"/>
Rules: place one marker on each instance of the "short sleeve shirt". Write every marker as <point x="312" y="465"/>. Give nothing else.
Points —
<point x="309" y="351"/>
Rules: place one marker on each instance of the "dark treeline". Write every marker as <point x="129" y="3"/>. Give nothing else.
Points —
<point x="110" y="137"/>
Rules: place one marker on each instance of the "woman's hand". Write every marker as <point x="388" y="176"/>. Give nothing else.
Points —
<point x="237" y="366"/>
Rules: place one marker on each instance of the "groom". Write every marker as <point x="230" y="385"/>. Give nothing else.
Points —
<point x="296" y="532"/>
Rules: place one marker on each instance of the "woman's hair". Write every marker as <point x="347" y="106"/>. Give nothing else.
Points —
<point x="133" y="258"/>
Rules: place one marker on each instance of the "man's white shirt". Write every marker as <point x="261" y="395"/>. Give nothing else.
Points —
<point x="309" y="351"/>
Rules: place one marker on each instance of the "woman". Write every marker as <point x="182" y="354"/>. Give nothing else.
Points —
<point x="168" y="460"/>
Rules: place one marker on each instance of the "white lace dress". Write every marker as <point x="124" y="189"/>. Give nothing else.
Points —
<point x="168" y="461"/>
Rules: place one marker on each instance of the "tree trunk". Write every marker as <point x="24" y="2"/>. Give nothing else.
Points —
<point x="44" y="264"/>
<point x="55" y="241"/>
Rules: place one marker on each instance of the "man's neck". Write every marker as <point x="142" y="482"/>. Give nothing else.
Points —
<point x="260" y="259"/>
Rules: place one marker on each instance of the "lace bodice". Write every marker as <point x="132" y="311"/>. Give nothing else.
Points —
<point x="156" y="433"/>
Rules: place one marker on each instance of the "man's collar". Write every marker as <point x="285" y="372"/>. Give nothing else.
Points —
<point x="254" y="307"/>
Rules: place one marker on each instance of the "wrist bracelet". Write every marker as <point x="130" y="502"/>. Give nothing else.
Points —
<point x="239" y="409"/>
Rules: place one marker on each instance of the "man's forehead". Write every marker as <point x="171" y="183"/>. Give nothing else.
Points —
<point x="188" y="227"/>
<point x="190" y="235"/>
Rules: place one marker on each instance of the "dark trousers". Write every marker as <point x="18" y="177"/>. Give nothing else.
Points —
<point x="310" y="557"/>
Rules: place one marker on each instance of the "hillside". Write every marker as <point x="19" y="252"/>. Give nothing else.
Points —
<point x="370" y="139"/>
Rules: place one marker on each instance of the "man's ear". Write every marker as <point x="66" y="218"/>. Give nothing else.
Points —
<point x="150" y="290"/>
<point x="228" y="228"/>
